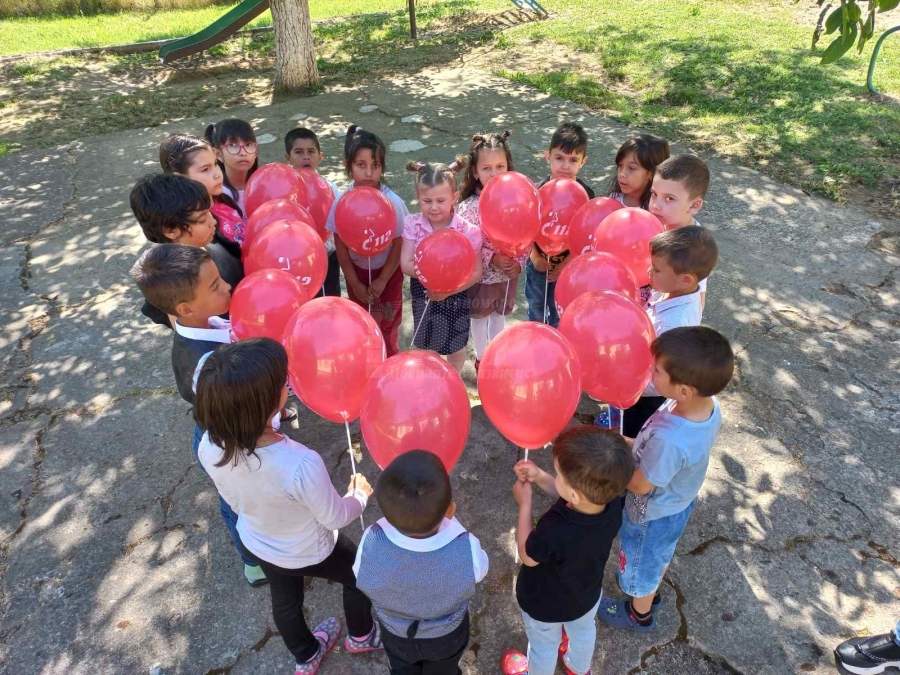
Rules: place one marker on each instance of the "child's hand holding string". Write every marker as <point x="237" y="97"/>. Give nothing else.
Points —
<point x="359" y="482"/>
<point x="375" y="290"/>
<point x="526" y="470"/>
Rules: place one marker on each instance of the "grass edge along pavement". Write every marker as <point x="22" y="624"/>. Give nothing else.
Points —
<point x="715" y="76"/>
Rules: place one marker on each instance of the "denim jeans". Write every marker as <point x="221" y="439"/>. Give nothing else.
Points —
<point x="228" y="515"/>
<point x="897" y="634"/>
<point x="534" y="294"/>
<point x="544" y="638"/>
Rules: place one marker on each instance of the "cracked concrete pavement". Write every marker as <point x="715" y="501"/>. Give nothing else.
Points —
<point x="113" y="556"/>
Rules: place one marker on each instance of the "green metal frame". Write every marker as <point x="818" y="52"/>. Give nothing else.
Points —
<point x="221" y="29"/>
<point x="874" y="60"/>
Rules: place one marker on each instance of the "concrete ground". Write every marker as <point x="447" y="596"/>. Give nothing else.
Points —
<point x="114" y="558"/>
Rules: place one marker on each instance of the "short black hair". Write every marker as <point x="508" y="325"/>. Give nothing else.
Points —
<point x="300" y="133"/>
<point x="570" y="137"/>
<point x="691" y="249"/>
<point x="596" y="462"/>
<point x="689" y="169"/>
<point x="168" y="274"/>
<point x="163" y="202"/>
<point x="696" y="356"/>
<point x="414" y="492"/>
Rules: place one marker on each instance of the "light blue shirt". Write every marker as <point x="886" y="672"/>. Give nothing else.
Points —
<point x="673" y="453"/>
<point x="376" y="262"/>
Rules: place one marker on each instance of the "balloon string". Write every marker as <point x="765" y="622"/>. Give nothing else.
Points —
<point x="621" y="421"/>
<point x="353" y="465"/>
<point x="370" y="282"/>
<point x="546" y="286"/>
<point x="526" y="454"/>
<point x="421" y="321"/>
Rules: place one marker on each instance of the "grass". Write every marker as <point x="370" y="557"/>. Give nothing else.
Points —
<point x="17" y="8"/>
<point x="734" y="76"/>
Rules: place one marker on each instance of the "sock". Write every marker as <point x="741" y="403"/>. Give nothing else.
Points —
<point x="641" y="619"/>
<point x="364" y="637"/>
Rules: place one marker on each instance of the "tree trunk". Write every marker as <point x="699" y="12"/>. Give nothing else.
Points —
<point x="295" y="51"/>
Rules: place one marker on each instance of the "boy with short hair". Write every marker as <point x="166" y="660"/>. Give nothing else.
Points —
<point x="403" y="558"/>
<point x="566" y="156"/>
<point x="175" y="209"/>
<point x="679" y="187"/>
<point x="184" y="282"/>
<point x="560" y="583"/>
<point x="680" y="260"/>
<point x="302" y="151"/>
<point x="692" y="365"/>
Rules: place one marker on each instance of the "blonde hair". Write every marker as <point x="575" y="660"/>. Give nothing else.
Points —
<point x="431" y="175"/>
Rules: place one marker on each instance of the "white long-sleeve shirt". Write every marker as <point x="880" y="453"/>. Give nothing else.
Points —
<point x="288" y="510"/>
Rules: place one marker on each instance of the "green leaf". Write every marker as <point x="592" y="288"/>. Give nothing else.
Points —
<point x="868" y="30"/>
<point x="840" y="46"/>
<point x="834" y="21"/>
<point x="887" y="5"/>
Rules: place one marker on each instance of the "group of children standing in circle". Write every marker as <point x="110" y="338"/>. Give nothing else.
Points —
<point x="276" y="496"/>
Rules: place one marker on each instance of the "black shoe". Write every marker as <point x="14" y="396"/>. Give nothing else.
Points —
<point x="862" y="656"/>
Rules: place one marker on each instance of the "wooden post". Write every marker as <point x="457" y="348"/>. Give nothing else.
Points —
<point x="413" y="31"/>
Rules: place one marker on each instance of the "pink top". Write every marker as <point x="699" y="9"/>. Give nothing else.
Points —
<point x="468" y="210"/>
<point x="416" y="227"/>
<point x="231" y="225"/>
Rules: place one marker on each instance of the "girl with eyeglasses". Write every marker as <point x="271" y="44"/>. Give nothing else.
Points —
<point x="236" y="148"/>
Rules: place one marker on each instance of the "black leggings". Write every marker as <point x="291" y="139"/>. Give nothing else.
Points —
<point x="287" y="598"/>
<point x="634" y="417"/>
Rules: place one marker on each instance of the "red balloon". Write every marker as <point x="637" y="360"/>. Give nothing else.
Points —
<point x="560" y="200"/>
<point x="626" y="234"/>
<point x="271" y="212"/>
<point x="594" y="272"/>
<point x="586" y="220"/>
<point x="263" y="302"/>
<point x="321" y="197"/>
<point x="415" y="401"/>
<point x="274" y="181"/>
<point x="365" y="221"/>
<point x="444" y="261"/>
<point x="291" y="246"/>
<point x="612" y="336"/>
<point x="510" y="209"/>
<point x="333" y="347"/>
<point x="529" y="382"/>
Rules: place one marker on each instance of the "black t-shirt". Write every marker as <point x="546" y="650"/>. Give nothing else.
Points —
<point x="571" y="549"/>
<point x="556" y="259"/>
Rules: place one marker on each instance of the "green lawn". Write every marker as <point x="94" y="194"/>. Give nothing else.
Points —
<point x="731" y="75"/>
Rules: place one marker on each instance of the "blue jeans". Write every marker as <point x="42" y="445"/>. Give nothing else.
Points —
<point x="228" y="515"/>
<point x="897" y="634"/>
<point x="534" y="294"/>
<point x="544" y="638"/>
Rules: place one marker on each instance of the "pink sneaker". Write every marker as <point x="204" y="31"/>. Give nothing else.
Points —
<point x="513" y="662"/>
<point x="370" y="643"/>
<point x="327" y="633"/>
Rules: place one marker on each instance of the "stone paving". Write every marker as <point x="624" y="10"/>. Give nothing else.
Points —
<point x="114" y="558"/>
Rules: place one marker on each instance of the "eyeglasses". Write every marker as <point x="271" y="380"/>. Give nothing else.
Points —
<point x="235" y="148"/>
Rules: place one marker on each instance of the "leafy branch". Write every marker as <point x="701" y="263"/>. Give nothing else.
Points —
<point x="851" y="24"/>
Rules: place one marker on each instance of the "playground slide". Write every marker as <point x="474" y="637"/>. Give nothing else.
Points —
<point x="220" y="30"/>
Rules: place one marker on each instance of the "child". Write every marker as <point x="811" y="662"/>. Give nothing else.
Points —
<point x="560" y="583"/>
<point x="441" y="320"/>
<point x="680" y="259"/>
<point x="195" y="158"/>
<point x="679" y="187"/>
<point x="692" y="365"/>
<point x="175" y="209"/>
<point x="236" y="147"/>
<point x="302" y="151"/>
<point x="494" y="296"/>
<point x="567" y="154"/>
<point x="288" y="511"/>
<point x="401" y="557"/>
<point x="184" y="282"/>
<point x="636" y="162"/>
<point x="375" y="283"/>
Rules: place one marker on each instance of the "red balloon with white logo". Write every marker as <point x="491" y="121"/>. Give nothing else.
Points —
<point x="333" y="347"/>
<point x="274" y="181"/>
<point x="510" y="210"/>
<point x="293" y="247"/>
<point x="612" y="337"/>
<point x="626" y="233"/>
<point x="444" y="261"/>
<point x="560" y="200"/>
<point x="321" y="197"/>
<point x="271" y="212"/>
<point x="585" y="222"/>
<point x="413" y="401"/>
<point x="263" y="302"/>
<point x="594" y="271"/>
<point x="365" y="221"/>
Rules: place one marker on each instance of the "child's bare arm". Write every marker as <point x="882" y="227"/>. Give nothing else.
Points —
<point x="343" y="256"/>
<point x="522" y="492"/>
<point x="639" y="485"/>
<point x="531" y="472"/>
<point x="407" y="254"/>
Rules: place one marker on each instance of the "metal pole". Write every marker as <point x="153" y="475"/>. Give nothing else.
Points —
<point x="872" y="63"/>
